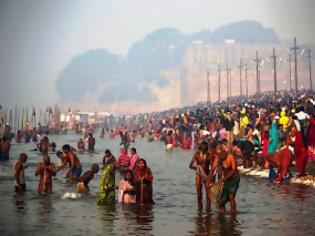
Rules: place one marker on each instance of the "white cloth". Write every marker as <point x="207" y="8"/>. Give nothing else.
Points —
<point x="302" y="115"/>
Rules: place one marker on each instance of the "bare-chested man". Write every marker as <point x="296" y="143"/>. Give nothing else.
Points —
<point x="82" y="185"/>
<point x="5" y="149"/>
<point x="201" y="162"/>
<point x="76" y="167"/>
<point x="19" y="176"/>
<point x="46" y="170"/>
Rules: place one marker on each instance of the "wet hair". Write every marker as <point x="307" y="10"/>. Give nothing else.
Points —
<point x="58" y="153"/>
<point x="107" y="151"/>
<point x="126" y="172"/>
<point x="144" y="161"/>
<point x="95" y="168"/>
<point x="23" y="155"/>
<point x="203" y="147"/>
<point x="66" y="147"/>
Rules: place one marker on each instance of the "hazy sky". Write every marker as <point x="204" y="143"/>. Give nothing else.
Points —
<point x="38" y="38"/>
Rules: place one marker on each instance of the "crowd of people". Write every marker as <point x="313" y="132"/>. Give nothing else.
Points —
<point x="136" y="178"/>
<point x="271" y="131"/>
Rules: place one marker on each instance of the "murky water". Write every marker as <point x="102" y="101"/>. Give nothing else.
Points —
<point x="263" y="208"/>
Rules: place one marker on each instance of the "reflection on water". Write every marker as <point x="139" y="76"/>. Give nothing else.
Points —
<point x="263" y="208"/>
<point x="20" y="206"/>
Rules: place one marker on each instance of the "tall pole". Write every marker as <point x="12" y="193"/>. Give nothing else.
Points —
<point x="310" y="67"/>
<point x="227" y="81"/>
<point x="230" y="83"/>
<point x="208" y="88"/>
<point x="295" y="48"/>
<point x="246" y="82"/>
<point x="274" y="70"/>
<point x="219" y="85"/>
<point x="241" y="82"/>
<point x="257" y="60"/>
<point x="290" y="71"/>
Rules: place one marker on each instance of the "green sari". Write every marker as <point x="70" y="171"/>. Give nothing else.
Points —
<point x="106" y="189"/>
<point x="230" y="187"/>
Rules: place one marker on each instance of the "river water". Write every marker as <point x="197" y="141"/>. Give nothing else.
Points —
<point x="263" y="208"/>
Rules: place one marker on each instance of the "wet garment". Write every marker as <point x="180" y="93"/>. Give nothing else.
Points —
<point x="311" y="133"/>
<point x="45" y="180"/>
<point x="106" y="190"/>
<point x="230" y="187"/>
<point x="282" y="160"/>
<point x="126" y="192"/>
<point x="144" y="187"/>
<point x="273" y="138"/>
<point x="76" y="172"/>
<point x="300" y="153"/>
<point x="21" y="185"/>
<point x="4" y="157"/>
<point x="133" y="159"/>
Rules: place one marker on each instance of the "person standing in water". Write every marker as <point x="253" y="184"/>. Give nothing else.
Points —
<point x="226" y="163"/>
<point x="91" y="143"/>
<point x="5" y="149"/>
<point x="200" y="162"/>
<point x="81" y="146"/>
<point x="102" y="133"/>
<point x="126" y="189"/>
<point x="46" y="170"/>
<point x="19" y="176"/>
<point x="106" y="190"/>
<point x="143" y="182"/>
<point x="75" y="164"/>
<point x="133" y="159"/>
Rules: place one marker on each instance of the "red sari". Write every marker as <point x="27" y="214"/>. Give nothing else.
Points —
<point x="143" y="179"/>
<point x="311" y="139"/>
<point x="300" y="153"/>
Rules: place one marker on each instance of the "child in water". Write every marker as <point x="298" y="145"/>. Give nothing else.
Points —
<point x="82" y="185"/>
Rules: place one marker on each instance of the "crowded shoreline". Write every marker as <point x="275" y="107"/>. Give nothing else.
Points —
<point x="267" y="136"/>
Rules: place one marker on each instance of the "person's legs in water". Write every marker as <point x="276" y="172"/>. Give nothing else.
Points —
<point x="199" y="191"/>
<point x="232" y="203"/>
<point x="208" y="202"/>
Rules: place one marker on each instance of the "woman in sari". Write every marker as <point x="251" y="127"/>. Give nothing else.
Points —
<point x="226" y="163"/>
<point x="143" y="180"/>
<point x="106" y="190"/>
<point x="273" y="136"/>
<point x="300" y="152"/>
<point x="311" y="137"/>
